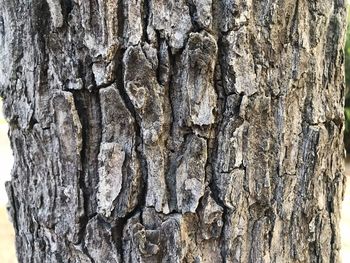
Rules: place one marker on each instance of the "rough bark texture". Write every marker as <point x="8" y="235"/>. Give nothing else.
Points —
<point x="174" y="131"/>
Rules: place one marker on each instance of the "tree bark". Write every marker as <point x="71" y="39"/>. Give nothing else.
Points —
<point x="174" y="131"/>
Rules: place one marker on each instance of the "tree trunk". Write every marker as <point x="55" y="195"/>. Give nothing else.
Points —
<point x="174" y="131"/>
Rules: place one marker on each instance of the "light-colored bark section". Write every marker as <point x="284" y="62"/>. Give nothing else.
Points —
<point x="174" y="131"/>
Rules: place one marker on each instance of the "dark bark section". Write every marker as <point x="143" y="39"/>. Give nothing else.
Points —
<point x="174" y="131"/>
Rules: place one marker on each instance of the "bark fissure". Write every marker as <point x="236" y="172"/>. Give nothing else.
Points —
<point x="83" y="101"/>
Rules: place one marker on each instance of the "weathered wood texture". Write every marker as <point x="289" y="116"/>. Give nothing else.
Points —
<point x="174" y="131"/>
